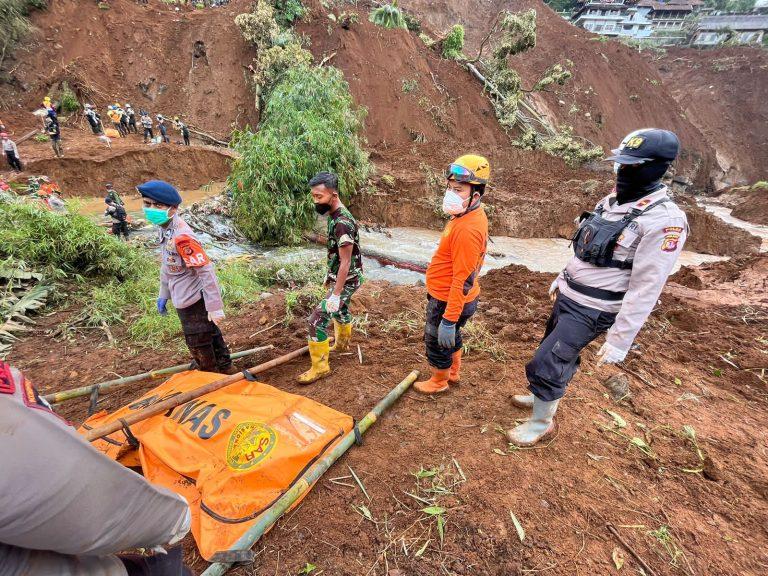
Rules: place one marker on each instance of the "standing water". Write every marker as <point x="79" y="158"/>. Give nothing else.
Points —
<point x="724" y="213"/>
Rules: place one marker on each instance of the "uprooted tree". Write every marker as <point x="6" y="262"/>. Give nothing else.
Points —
<point x="515" y="33"/>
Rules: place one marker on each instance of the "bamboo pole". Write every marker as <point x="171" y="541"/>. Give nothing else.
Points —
<point x="185" y="397"/>
<point x="265" y="522"/>
<point x="64" y="395"/>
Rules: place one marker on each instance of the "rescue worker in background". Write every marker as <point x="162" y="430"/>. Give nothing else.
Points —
<point x="161" y="127"/>
<point x="123" y="118"/>
<point x="131" y="114"/>
<point x="623" y="253"/>
<point x="114" y="117"/>
<point x="11" y="152"/>
<point x="146" y="123"/>
<point x="452" y="275"/>
<point x="53" y="131"/>
<point x="187" y="278"/>
<point x="113" y="195"/>
<point x="93" y="119"/>
<point x="119" y="218"/>
<point x="183" y="128"/>
<point x="345" y="276"/>
<point x="77" y="526"/>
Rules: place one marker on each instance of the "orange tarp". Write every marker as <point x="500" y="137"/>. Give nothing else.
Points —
<point x="230" y="453"/>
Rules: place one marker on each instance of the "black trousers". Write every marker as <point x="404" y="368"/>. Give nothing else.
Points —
<point x="96" y="127"/>
<point x="570" y="328"/>
<point x="13" y="160"/>
<point x="119" y="228"/>
<point x="132" y="125"/>
<point x="148" y="134"/>
<point x="438" y="357"/>
<point x="204" y="339"/>
<point x="186" y="138"/>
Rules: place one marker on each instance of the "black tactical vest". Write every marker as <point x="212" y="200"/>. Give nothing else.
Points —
<point x="596" y="238"/>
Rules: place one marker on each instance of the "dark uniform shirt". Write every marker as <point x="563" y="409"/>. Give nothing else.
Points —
<point x="342" y="230"/>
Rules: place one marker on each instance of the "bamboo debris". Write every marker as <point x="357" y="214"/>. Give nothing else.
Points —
<point x="63" y="396"/>
<point x="185" y="397"/>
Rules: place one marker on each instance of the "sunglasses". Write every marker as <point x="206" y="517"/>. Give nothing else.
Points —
<point x="461" y="174"/>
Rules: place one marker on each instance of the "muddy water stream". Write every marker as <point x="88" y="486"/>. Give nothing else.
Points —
<point x="414" y="245"/>
<point x="724" y="213"/>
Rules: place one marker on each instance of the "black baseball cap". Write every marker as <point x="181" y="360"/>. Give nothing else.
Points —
<point x="646" y="145"/>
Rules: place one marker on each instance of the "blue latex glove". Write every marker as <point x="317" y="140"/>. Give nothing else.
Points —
<point x="446" y="334"/>
<point x="161" y="303"/>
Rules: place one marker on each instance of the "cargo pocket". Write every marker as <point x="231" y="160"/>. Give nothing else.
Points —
<point x="566" y="360"/>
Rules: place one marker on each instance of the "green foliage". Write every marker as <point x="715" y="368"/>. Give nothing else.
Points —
<point x="41" y="138"/>
<point x="258" y="27"/>
<point x="68" y="99"/>
<point x="410" y="85"/>
<point x="563" y="144"/>
<point x="428" y="42"/>
<point x="287" y="11"/>
<point x="518" y="33"/>
<point x="453" y="43"/>
<point x="411" y="22"/>
<point x="309" y="125"/>
<point x="388" y="16"/>
<point x="554" y="75"/>
<point x="72" y="243"/>
<point x="561" y="5"/>
<point x="275" y="61"/>
<point x="730" y="5"/>
<point x="14" y="23"/>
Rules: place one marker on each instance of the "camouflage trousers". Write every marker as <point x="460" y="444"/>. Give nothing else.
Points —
<point x="320" y="319"/>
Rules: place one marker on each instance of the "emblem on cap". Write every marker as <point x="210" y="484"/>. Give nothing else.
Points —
<point x="634" y="143"/>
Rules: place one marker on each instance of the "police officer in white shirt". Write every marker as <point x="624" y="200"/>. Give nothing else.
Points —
<point x="623" y="253"/>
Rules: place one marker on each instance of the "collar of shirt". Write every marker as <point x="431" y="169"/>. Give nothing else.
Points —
<point x="640" y="204"/>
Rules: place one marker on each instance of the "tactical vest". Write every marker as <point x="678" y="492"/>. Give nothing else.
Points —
<point x="596" y="238"/>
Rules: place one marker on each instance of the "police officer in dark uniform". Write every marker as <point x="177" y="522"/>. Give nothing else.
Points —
<point x="623" y="253"/>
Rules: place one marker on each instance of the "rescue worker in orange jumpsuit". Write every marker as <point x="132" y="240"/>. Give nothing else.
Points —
<point x="452" y="276"/>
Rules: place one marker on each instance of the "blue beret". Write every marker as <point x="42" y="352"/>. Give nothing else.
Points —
<point x="160" y="191"/>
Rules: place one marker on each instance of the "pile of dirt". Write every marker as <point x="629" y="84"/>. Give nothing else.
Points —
<point x="710" y="235"/>
<point x="613" y="90"/>
<point x="88" y="164"/>
<point x="738" y="281"/>
<point x="680" y="513"/>
<point x="722" y="92"/>
<point x="751" y="204"/>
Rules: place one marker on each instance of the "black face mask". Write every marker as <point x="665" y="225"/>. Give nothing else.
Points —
<point x="634" y="182"/>
<point x="322" y="208"/>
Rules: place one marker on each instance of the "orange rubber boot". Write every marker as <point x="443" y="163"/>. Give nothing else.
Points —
<point x="437" y="383"/>
<point x="453" y="375"/>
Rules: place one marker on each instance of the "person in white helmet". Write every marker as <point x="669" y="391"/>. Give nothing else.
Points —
<point x="623" y="253"/>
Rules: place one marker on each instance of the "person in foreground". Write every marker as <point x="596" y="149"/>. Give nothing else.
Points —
<point x="187" y="278"/>
<point x="452" y="275"/>
<point x="345" y="276"/>
<point x="623" y="253"/>
<point x="68" y="510"/>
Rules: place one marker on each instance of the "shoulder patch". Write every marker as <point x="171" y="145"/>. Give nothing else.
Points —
<point x="670" y="242"/>
<point x="191" y="251"/>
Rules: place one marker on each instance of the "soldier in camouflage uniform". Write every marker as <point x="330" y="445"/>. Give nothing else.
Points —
<point x="345" y="275"/>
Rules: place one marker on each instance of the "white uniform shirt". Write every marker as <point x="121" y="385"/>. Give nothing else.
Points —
<point x="654" y="241"/>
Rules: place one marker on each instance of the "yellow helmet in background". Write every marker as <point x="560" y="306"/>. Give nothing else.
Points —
<point x="470" y="168"/>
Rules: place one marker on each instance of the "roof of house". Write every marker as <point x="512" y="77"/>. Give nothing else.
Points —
<point x="734" y="22"/>
<point x="687" y="5"/>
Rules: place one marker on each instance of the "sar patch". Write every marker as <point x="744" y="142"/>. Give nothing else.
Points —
<point x="673" y="229"/>
<point x="191" y="252"/>
<point x="669" y="244"/>
<point x="249" y="444"/>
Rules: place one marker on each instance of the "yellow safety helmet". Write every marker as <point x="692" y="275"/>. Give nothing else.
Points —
<point x="470" y="168"/>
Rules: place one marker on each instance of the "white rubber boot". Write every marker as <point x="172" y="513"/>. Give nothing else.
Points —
<point x="523" y="400"/>
<point x="540" y="426"/>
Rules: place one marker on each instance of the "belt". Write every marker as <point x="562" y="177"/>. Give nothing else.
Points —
<point x="592" y="292"/>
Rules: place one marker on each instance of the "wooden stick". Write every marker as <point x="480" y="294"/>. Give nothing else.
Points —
<point x="637" y="557"/>
<point x="185" y="397"/>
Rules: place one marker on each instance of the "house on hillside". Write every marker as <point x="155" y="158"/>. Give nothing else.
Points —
<point x="736" y="28"/>
<point x="634" y="18"/>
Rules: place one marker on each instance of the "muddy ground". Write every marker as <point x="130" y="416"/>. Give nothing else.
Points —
<point x="700" y="362"/>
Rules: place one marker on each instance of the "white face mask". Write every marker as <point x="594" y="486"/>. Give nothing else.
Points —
<point x="453" y="204"/>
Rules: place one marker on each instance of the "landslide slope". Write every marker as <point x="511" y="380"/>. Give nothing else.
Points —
<point x="723" y="92"/>
<point x="155" y="56"/>
<point x="613" y="90"/>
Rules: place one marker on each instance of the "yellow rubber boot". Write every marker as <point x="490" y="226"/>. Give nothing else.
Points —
<point x="436" y="384"/>
<point x="454" y="376"/>
<point x="342" y="336"/>
<point x="318" y="352"/>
